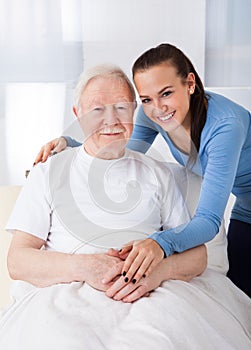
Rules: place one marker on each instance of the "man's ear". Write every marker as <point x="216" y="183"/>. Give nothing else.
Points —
<point x="75" y="111"/>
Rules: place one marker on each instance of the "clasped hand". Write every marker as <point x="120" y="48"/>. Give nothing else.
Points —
<point x="141" y="258"/>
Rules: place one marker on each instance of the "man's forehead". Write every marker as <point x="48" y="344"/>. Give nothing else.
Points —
<point x="97" y="97"/>
<point x="105" y="96"/>
<point x="105" y="91"/>
<point x="107" y="85"/>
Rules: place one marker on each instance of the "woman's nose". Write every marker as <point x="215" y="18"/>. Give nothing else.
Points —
<point x="160" y="105"/>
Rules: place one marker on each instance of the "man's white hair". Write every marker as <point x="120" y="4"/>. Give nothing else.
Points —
<point x="104" y="70"/>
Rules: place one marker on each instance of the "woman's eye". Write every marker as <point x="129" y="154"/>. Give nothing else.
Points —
<point x="166" y="93"/>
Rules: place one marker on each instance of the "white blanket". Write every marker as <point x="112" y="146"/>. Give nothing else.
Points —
<point x="207" y="313"/>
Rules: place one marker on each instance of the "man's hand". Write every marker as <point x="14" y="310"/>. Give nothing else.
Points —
<point x="50" y="148"/>
<point x="98" y="265"/>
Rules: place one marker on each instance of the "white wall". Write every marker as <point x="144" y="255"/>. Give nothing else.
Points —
<point x="119" y="31"/>
<point x="109" y="31"/>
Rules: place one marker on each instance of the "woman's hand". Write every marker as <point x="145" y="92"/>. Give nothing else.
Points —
<point x="183" y="266"/>
<point x="143" y="257"/>
<point x="50" y="148"/>
<point x="130" y="292"/>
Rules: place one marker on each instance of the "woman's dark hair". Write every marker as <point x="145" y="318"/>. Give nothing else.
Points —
<point x="198" y="104"/>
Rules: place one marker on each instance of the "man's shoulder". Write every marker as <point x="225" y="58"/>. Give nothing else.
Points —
<point x="58" y="161"/>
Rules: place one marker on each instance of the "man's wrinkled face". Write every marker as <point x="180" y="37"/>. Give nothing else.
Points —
<point x="106" y="116"/>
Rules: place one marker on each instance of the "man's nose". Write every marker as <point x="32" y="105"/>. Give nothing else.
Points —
<point x="111" y="115"/>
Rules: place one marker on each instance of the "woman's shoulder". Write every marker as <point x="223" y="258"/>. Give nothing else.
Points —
<point x="225" y="117"/>
<point x="220" y="106"/>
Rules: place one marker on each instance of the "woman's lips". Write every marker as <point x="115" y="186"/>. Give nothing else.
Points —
<point x="166" y="117"/>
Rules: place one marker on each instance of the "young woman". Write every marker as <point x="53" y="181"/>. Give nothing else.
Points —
<point x="206" y="132"/>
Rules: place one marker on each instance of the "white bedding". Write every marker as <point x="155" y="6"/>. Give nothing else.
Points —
<point x="207" y="313"/>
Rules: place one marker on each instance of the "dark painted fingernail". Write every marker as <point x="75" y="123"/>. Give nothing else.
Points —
<point x="126" y="279"/>
<point x="34" y="164"/>
<point x="53" y="153"/>
<point x="120" y="250"/>
<point x="124" y="273"/>
<point x="144" y="276"/>
<point x="134" y="281"/>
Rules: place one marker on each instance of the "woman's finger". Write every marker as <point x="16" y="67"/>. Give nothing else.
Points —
<point x="132" y="264"/>
<point x="142" y="259"/>
<point x="60" y="144"/>
<point x="113" y="252"/>
<point x="39" y="157"/>
<point x="126" y="249"/>
<point x="55" y="146"/>
<point x="146" y="268"/>
<point x="143" y="271"/>
<point x="48" y="148"/>
<point x="44" y="153"/>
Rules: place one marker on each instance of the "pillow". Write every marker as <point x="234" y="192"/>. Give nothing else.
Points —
<point x="190" y="185"/>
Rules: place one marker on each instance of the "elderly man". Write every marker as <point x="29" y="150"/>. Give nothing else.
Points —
<point x="69" y="196"/>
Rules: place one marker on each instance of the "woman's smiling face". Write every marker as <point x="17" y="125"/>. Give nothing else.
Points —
<point x="165" y="96"/>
